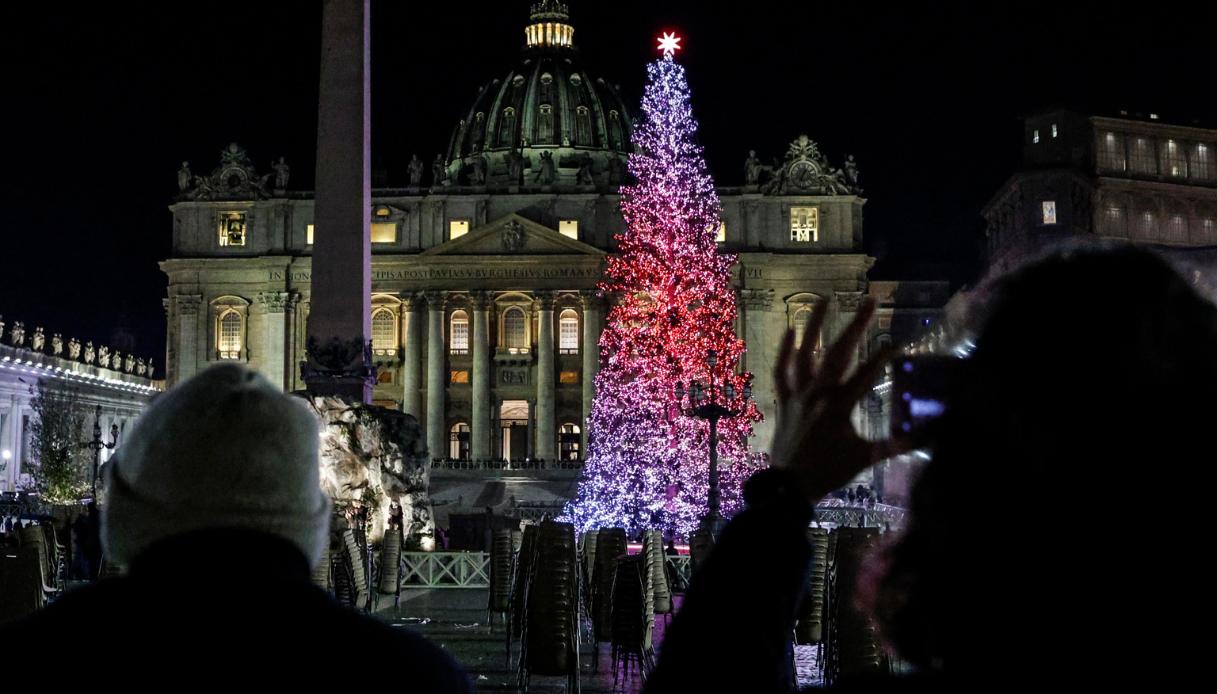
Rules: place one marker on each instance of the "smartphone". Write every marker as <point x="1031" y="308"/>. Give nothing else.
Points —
<point x="922" y="389"/>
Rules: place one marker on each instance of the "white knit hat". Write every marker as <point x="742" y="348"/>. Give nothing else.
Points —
<point x="225" y="449"/>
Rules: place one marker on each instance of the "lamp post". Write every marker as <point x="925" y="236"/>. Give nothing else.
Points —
<point x="97" y="444"/>
<point x="703" y="403"/>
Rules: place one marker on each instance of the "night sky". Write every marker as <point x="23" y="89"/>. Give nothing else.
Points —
<point x="103" y="103"/>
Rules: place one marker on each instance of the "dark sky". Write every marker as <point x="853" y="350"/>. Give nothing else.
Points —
<point x="103" y="102"/>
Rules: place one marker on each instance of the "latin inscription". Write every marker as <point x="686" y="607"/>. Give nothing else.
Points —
<point x="464" y="273"/>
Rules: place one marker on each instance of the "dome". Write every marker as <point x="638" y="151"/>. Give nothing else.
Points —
<point x="547" y="106"/>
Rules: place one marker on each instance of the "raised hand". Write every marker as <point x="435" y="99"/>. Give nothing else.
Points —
<point x="815" y="441"/>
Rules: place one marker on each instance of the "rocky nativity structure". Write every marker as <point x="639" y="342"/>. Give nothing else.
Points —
<point x="484" y="311"/>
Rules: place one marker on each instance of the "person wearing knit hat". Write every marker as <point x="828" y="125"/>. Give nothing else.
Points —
<point x="224" y="450"/>
<point x="214" y="504"/>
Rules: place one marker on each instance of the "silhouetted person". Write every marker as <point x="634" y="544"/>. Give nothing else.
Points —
<point x="1093" y="370"/>
<point x="214" y="505"/>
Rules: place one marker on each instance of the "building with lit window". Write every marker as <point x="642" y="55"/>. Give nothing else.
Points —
<point x="1128" y="178"/>
<point x="485" y="315"/>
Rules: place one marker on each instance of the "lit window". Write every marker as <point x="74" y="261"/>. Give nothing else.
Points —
<point x="458" y="447"/>
<point x="383" y="211"/>
<point x="805" y="224"/>
<point x="1176" y="228"/>
<point x="229" y="337"/>
<point x="1113" y="221"/>
<point x="802" y="316"/>
<point x="1141" y="156"/>
<point x="1174" y="163"/>
<point x="720" y="236"/>
<point x="569" y="442"/>
<point x="308" y="235"/>
<point x="459" y="333"/>
<point x="1048" y="212"/>
<point x="232" y="228"/>
<point x="1054" y="129"/>
<point x="1035" y="137"/>
<point x="384" y="331"/>
<point x="568" y="332"/>
<point x="515" y="330"/>
<point x="457" y="228"/>
<point x="384" y="232"/>
<point x="1202" y="162"/>
<point x="568" y="377"/>
<point x="569" y="228"/>
<point x="459" y="376"/>
<point x="1111" y="153"/>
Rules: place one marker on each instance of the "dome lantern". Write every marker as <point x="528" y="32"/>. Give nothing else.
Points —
<point x="549" y="26"/>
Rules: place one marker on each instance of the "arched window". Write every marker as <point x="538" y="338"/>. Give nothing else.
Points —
<point x="615" y="132"/>
<point x="545" y="125"/>
<point x="802" y="316"/>
<point x="583" y="126"/>
<point x="515" y="330"/>
<point x="228" y="337"/>
<point x="569" y="443"/>
<point x="458" y="335"/>
<point x="568" y="332"/>
<point x="507" y="126"/>
<point x="458" y="446"/>
<point x="384" y="331"/>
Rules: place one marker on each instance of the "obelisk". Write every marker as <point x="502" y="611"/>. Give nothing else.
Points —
<point x="339" y="323"/>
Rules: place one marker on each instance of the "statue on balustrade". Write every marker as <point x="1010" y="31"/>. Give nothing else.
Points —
<point x="74" y="349"/>
<point x="103" y="357"/>
<point x="16" y="336"/>
<point x="57" y="344"/>
<point x="416" y="171"/>
<point x="90" y="353"/>
<point x="38" y="341"/>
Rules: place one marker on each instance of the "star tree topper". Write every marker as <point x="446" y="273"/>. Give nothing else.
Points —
<point x="669" y="43"/>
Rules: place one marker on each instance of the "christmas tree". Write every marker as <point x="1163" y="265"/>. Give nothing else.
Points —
<point x="673" y="304"/>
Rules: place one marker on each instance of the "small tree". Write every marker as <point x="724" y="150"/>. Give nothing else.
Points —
<point x="61" y="473"/>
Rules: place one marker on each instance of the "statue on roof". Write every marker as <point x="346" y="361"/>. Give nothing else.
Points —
<point x="616" y="169"/>
<point x="752" y="169"/>
<point x="439" y="172"/>
<point x="515" y="166"/>
<point x="90" y="353"/>
<point x="184" y="177"/>
<point x="103" y="357"/>
<point x="546" y="173"/>
<point x="57" y="344"/>
<point x="282" y="173"/>
<point x="416" y="171"/>
<point x="38" y="341"/>
<point x="16" y="335"/>
<point x="478" y="175"/>
<point x="73" y="349"/>
<point x="585" y="177"/>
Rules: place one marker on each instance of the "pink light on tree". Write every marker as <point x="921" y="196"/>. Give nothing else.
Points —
<point x="673" y="303"/>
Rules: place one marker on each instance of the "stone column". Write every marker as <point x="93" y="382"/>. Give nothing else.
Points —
<point x="274" y="334"/>
<point x="340" y="324"/>
<point x="6" y="444"/>
<point x="591" y="355"/>
<point x="759" y="359"/>
<point x="546" y="441"/>
<point x="187" y="336"/>
<point x="435" y="376"/>
<point x="480" y="426"/>
<point x="412" y="394"/>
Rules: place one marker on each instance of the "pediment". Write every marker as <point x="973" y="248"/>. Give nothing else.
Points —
<point x="513" y="235"/>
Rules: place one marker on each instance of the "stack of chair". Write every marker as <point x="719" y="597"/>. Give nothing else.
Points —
<point x="588" y="565"/>
<point x="389" y="571"/>
<point x="810" y="627"/>
<point x="852" y="645"/>
<point x="631" y="618"/>
<point x="551" y="625"/>
<point x="656" y="567"/>
<point x="33" y="536"/>
<point x="357" y="578"/>
<point x="323" y="576"/>
<point x="519" y="587"/>
<point x="610" y="544"/>
<point x="21" y="588"/>
<point x="498" y="599"/>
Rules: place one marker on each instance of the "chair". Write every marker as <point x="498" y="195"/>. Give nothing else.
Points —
<point x="656" y="568"/>
<point x="519" y="587"/>
<point x="389" y="572"/>
<point x="810" y="626"/>
<point x="631" y="618"/>
<point x="551" y="632"/>
<point x="33" y="536"/>
<point x="610" y="544"/>
<point x="352" y="555"/>
<point x="323" y="576"/>
<point x="852" y="645"/>
<point x="498" y="598"/>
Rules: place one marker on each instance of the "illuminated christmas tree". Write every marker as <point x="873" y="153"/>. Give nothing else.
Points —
<point x="673" y="303"/>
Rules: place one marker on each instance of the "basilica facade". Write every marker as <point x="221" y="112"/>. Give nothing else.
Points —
<point x="485" y="264"/>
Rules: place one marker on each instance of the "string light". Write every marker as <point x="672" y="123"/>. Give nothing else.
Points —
<point x="647" y="463"/>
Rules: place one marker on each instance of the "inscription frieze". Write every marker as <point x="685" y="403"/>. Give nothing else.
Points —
<point x="460" y="273"/>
